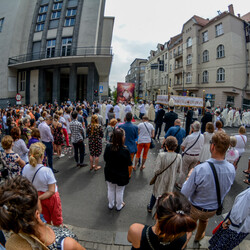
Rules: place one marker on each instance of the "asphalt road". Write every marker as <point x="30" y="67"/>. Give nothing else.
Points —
<point x="84" y="193"/>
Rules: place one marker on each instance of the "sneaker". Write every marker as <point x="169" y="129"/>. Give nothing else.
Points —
<point x="62" y="155"/>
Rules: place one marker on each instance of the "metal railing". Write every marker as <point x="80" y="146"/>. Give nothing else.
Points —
<point x="53" y="53"/>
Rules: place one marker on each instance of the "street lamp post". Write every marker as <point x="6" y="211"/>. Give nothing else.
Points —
<point x="203" y="109"/>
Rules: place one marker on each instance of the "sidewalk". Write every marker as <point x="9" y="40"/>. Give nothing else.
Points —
<point x="105" y="240"/>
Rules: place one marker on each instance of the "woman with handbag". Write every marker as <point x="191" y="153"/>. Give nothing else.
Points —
<point x="117" y="158"/>
<point x="146" y="133"/>
<point x="172" y="223"/>
<point x="168" y="165"/>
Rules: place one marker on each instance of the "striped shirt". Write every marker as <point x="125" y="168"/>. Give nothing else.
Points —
<point x="77" y="131"/>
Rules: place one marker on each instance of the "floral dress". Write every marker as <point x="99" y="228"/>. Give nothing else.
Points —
<point x="95" y="140"/>
<point x="58" y="135"/>
<point x="9" y="161"/>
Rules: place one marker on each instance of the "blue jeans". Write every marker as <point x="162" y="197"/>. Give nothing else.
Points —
<point x="152" y="202"/>
<point x="49" y="153"/>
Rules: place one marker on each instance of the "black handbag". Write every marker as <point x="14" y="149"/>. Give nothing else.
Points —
<point x="220" y="205"/>
<point x="152" y="144"/>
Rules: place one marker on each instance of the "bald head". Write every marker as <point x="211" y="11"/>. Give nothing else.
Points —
<point x="177" y="122"/>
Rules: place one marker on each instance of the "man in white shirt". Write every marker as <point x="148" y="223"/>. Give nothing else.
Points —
<point x="117" y="111"/>
<point x="128" y="108"/>
<point x="108" y="107"/>
<point x="142" y="110"/>
<point x="191" y="148"/>
<point x="146" y="132"/>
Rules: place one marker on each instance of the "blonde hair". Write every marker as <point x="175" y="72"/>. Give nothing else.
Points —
<point x="113" y="122"/>
<point x="94" y="123"/>
<point x="7" y="142"/>
<point x="233" y="141"/>
<point x="36" y="152"/>
<point x="242" y="130"/>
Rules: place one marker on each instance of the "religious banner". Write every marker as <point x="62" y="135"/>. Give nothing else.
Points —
<point x="185" y="101"/>
<point x="125" y="91"/>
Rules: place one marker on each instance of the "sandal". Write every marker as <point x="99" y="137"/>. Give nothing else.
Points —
<point x="142" y="167"/>
<point x="92" y="167"/>
<point x="246" y="172"/>
<point x="246" y="181"/>
<point x="97" y="168"/>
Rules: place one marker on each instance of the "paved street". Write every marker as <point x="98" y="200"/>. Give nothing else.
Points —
<point x="84" y="194"/>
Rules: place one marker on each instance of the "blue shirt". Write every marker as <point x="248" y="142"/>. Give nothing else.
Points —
<point x="131" y="135"/>
<point x="179" y="136"/>
<point x="200" y="187"/>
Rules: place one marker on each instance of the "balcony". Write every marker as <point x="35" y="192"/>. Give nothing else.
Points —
<point x="178" y="54"/>
<point x="178" y="68"/>
<point x="101" y="56"/>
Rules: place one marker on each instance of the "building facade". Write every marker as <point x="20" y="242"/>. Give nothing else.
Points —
<point x="136" y="74"/>
<point x="209" y="57"/>
<point x="54" y="49"/>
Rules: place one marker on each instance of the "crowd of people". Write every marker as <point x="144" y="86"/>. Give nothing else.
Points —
<point x="192" y="160"/>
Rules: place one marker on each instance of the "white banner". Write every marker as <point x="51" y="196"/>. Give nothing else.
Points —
<point x="185" y="101"/>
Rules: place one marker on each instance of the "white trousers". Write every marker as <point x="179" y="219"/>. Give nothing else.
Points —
<point x="115" y="193"/>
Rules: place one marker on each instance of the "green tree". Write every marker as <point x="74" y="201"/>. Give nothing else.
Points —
<point x="114" y="94"/>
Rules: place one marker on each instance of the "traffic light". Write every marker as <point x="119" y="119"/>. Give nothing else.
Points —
<point x="95" y="92"/>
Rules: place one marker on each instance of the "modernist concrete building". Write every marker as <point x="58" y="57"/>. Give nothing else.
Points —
<point x="53" y="49"/>
<point x="136" y="74"/>
<point x="208" y="56"/>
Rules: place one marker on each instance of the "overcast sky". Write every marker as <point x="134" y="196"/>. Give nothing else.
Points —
<point x="141" y="24"/>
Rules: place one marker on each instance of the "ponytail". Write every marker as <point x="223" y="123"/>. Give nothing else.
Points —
<point x="36" y="152"/>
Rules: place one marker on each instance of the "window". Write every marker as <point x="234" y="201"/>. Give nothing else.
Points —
<point x="220" y="51"/>
<point x="41" y="18"/>
<point x="43" y="9"/>
<point x="22" y="80"/>
<point x="71" y="12"/>
<point x="66" y="46"/>
<point x="56" y="14"/>
<point x="51" y="46"/>
<point x="188" y="78"/>
<point x="220" y="75"/>
<point x="57" y="6"/>
<point x="205" y="36"/>
<point x="58" y="0"/>
<point x="1" y="24"/>
<point x="205" y="76"/>
<point x="189" y="42"/>
<point x="219" y="30"/>
<point x="205" y="56"/>
<point x="189" y="59"/>
<point x="69" y="22"/>
<point x="170" y="68"/>
<point x="39" y="27"/>
<point x="230" y="100"/>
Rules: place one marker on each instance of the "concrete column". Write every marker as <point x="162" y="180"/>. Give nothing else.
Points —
<point x="27" y="91"/>
<point x="92" y="83"/>
<point x="41" y="86"/>
<point x="72" y="82"/>
<point x="56" y="85"/>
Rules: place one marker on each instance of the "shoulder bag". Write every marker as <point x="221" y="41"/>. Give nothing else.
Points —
<point x="191" y="146"/>
<point x="35" y="174"/>
<point x="152" y="145"/>
<point x="177" y="132"/>
<point x="220" y="206"/>
<point x="153" y="180"/>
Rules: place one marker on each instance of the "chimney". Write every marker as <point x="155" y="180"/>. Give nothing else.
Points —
<point x="231" y="9"/>
<point x="239" y="15"/>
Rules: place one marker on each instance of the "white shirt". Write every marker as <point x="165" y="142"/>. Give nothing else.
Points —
<point x="117" y="111"/>
<point x="43" y="178"/>
<point x="142" y="109"/>
<point x="108" y="107"/>
<point x="145" y="134"/>
<point x="241" y="143"/>
<point x="189" y="141"/>
<point x="128" y="109"/>
<point x="63" y="121"/>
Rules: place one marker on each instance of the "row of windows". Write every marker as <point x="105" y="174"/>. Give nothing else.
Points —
<point x="68" y="22"/>
<point x="205" y="54"/>
<point x="65" y="48"/>
<point x="205" y="76"/>
<point x="218" y="32"/>
<point x="56" y="14"/>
